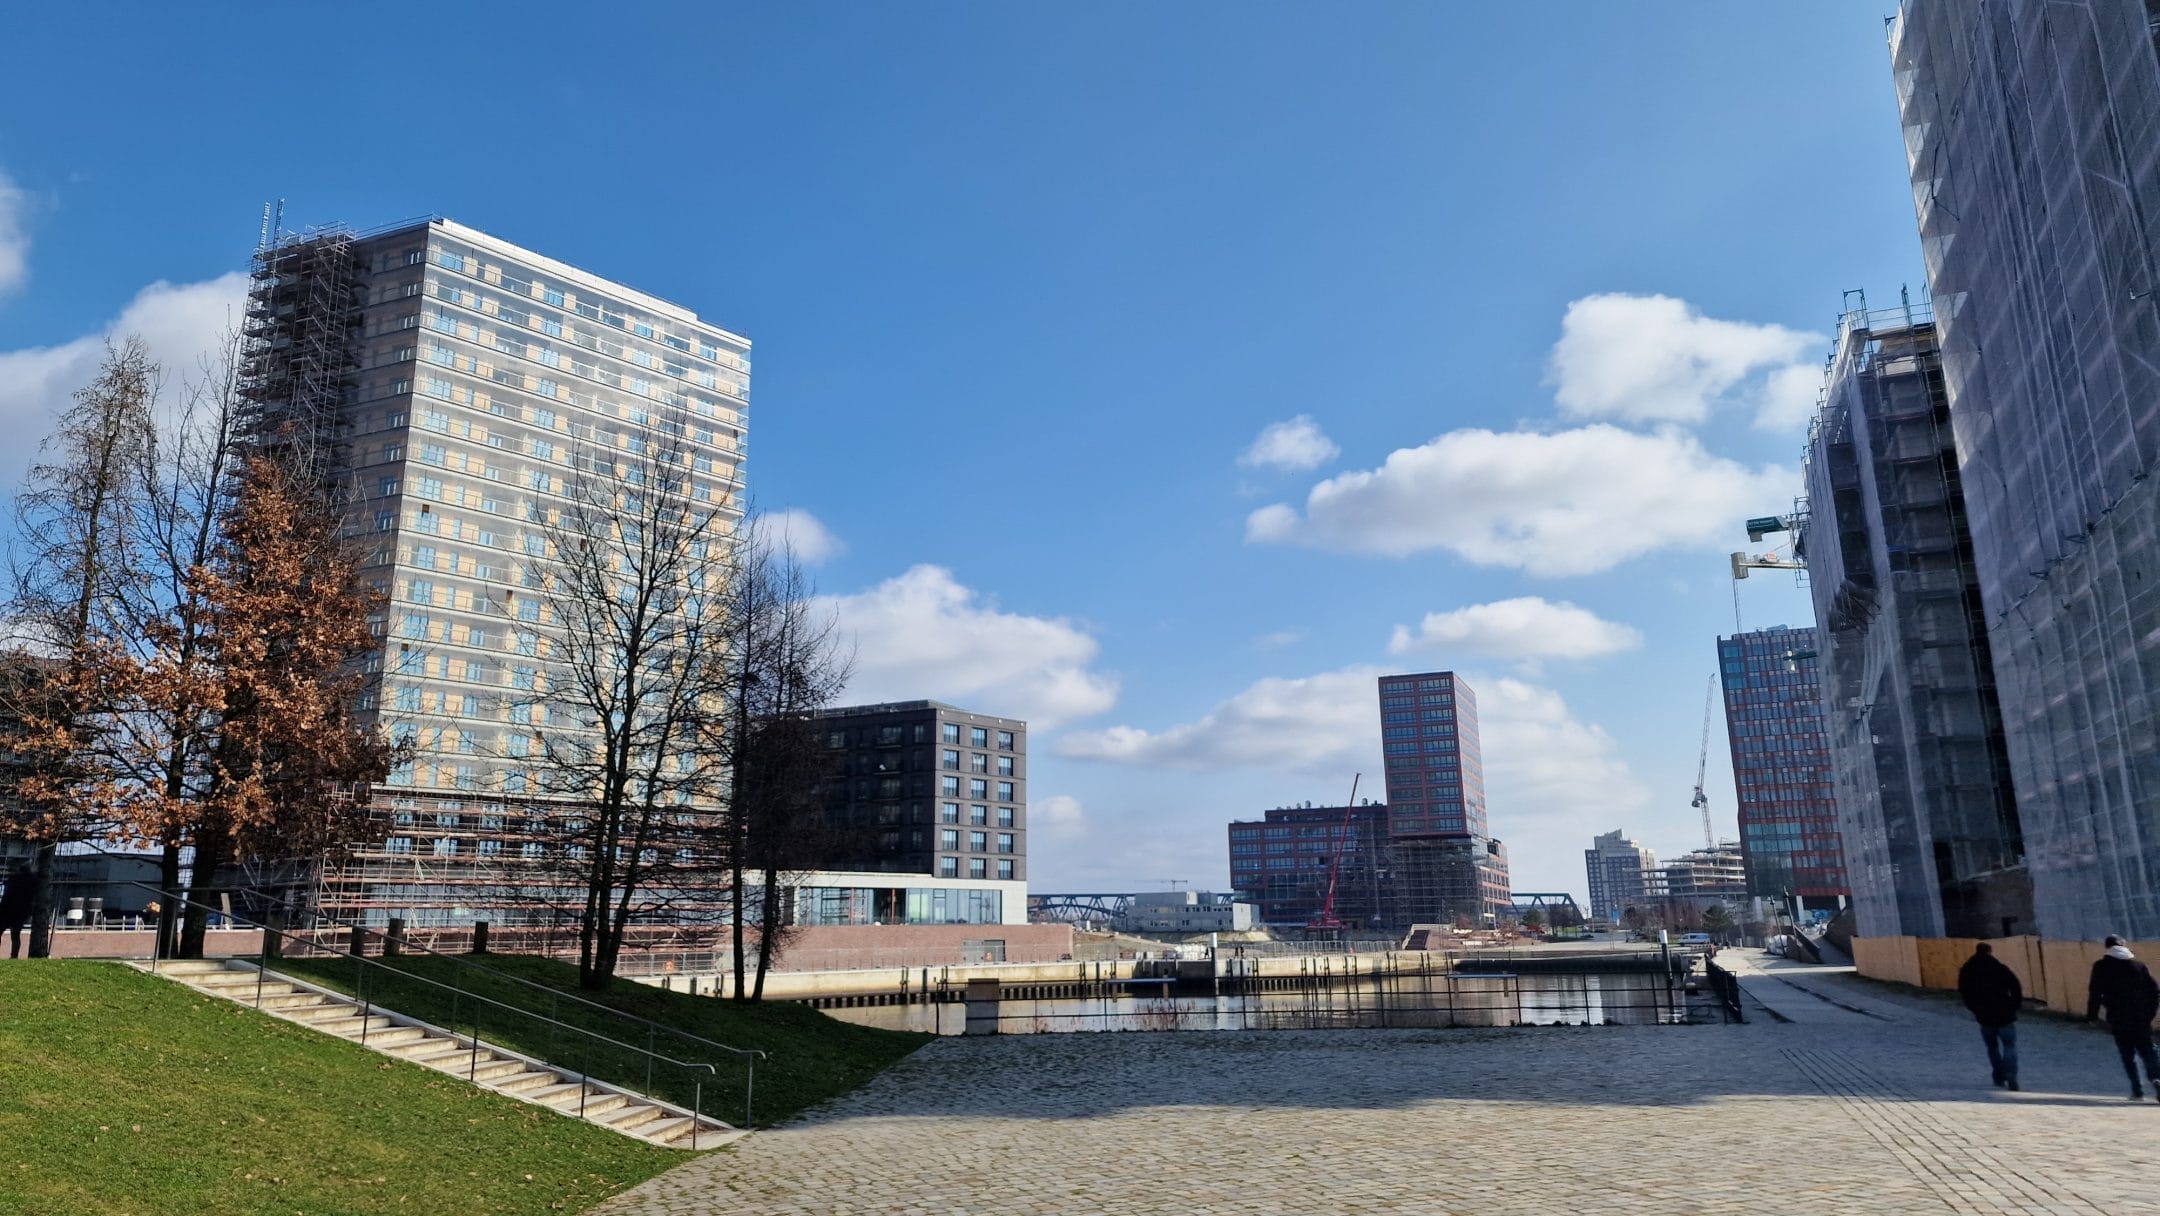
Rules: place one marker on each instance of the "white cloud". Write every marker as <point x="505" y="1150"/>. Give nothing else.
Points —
<point x="1059" y="817"/>
<point x="924" y="635"/>
<point x="1303" y="724"/>
<point x="1657" y="359"/>
<point x="1789" y="398"/>
<point x="1278" y="639"/>
<point x="180" y="323"/>
<point x="1552" y="781"/>
<point x="1296" y="445"/>
<point x="1528" y="627"/>
<point x="812" y="542"/>
<point x="1572" y="502"/>
<point x="14" y="235"/>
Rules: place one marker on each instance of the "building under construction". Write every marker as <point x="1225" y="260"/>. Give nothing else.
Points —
<point x="1929" y="823"/>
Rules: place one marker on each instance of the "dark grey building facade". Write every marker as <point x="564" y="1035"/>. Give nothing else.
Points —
<point x="1789" y="840"/>
<point x="2033" y="131"/>
<point x="1925" y="807"/>
<point x="921" y="787"/>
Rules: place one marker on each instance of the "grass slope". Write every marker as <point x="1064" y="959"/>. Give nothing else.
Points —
<point x="125" y="1094"/>
<point x="810" y="1057"/>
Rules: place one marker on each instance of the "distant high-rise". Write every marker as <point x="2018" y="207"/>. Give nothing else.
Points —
<point x="925" y="788"/>
<point x="2030" y="129"/>
<point x="1285" y="861"/>
<point x="1781" y="769"/>
<point x="1925" y="810"/>
<point x="1617" y="869"/>
<point x="1447" y="867"/>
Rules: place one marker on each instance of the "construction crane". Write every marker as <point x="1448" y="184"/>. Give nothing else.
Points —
<point x="1326" y="920"/>
<point x="1702" y="765"/>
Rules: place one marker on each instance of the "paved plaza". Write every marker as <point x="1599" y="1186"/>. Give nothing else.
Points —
<point x="1864" y="1101"/>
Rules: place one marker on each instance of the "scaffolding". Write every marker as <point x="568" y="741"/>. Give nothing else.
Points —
<point x="1930" y="826"/>
<point x="299" y="354"/>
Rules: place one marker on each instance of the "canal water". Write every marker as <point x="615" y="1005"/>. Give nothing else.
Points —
<point x="1466" y="994"/>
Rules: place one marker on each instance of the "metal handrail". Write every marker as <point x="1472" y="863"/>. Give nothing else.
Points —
<point x="555" y="994"/>
<point x="473" y="1039"/>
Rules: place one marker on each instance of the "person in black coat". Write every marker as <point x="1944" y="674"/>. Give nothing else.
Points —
<point x="2126" y="989"/>
<point x="17" y="900"/>
<point x="1994" y="995"/>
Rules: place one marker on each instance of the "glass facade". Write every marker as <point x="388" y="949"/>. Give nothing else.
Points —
<point x="2033" y="135"/>
<point x="1781" y="767"/>
<point x="898" y="906"/>
<point x="1435" y="772"/>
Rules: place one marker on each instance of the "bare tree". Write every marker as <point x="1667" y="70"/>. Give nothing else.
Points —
<point x="636" y="582"/>
<point x="784" y="663"/>
<point x="74" y="559"/>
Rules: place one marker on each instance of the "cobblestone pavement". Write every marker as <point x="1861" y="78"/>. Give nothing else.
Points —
<point x="1863" y="1101"/>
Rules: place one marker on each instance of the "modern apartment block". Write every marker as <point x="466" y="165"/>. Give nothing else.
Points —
<point x="1282" y="862"/>
<point x="1446" y="865"/>
<point x="1719" y="872"/>
<point x="921" y="787"/>
<point x="1922" y="779"/>
<point x="1618" y="868"/>
<point x="2030" y="130"/>
<point x="1781" y="768"/>
<point x="465" y="386"/>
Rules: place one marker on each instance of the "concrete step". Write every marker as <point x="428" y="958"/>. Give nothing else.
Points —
<point x="429" y="1048"/>
<point x="628" y="1116"/>
<point x="666" y="1130"/>
<point x="395" y="1035"/>
<point x="555" y="1095"/>
<point x="531" y="1080"/>
<point x="191" y="966"/>
<point x="349" y="1028"/>
<point x="326" y="1007"/>
<point x="294" y="1000"/>
<point x="495" y="1070"/>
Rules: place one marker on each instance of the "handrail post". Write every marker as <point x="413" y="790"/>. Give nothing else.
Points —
<point x="749" y="1093"/>
<point x="697" y="1110"/>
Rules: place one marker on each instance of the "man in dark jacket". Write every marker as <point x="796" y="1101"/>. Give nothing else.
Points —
<point x="1994" y="995"/>
<point x="2126" y="989"/>
<point x="17" y="900"/>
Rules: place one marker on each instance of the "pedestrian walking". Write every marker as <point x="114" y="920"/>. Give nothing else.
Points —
<point x="18" y="899"/>
<point x="2123" y="986"/>
<point x="1994" y="995"/>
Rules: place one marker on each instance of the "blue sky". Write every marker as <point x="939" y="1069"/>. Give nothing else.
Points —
<point x="1534" y="296"/>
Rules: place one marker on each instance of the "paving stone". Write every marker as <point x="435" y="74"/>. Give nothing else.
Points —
<point x="1867" y="1101"/>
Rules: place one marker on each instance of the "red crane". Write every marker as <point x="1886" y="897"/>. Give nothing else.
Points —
<point x="1326" y="920"/>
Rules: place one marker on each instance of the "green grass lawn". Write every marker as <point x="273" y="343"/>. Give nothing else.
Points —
<point x="125" y="1094"/>
<point x="810" y="1057"/>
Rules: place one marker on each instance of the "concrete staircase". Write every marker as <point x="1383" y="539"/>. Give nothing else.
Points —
<point x="484" y="1064"/>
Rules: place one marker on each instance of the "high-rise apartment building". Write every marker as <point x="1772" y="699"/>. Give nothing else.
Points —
<point x="921" y="787"/>
<point x="464" y="386"/>
<point x="1617" y="870"/>
<point x="2036" y="176"/>
<point x="1446" y="865"/>
<point x="1781" y="768"/>
<point x="1922" y="781"/>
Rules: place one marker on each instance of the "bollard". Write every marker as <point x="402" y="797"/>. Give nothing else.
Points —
<point x="479" y="937"/>
<point x="394" y="938"/>
<point x="273" y="941"/>
<point x="358" y="946"/>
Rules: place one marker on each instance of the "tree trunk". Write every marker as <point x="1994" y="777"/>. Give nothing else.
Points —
<point x="41" y="926"/>
<point x="212" y="843"/>
<point x="768" y="930"/>
<point x="168" y="899"/>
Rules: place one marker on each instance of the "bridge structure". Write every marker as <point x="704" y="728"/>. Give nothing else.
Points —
<point x="1547" y="902"/>
<point x="1078" y="909"/>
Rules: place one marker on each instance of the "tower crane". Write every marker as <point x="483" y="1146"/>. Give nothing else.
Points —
<point x="1326" y="920"/>
<point x="1702" y="764"/>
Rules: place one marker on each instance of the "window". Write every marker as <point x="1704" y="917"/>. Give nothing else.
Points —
<point x="389" y="486"/>
<point x="979" y="736"/>
<point x="949" y="786"/>
<point x="529" y="610"/>
<point x="949" y="759"/>
<point x="415" y="625"/>
<point x="978" y="868"/>
<point x="449" y="260"/>
<point x="398" y="844"/>
<point x="948" y="867"/>
<point x="1005" y="791"/>
<point x="1005" y="816"/>
<point x="1005" y="740"/>
<point x="978" y="788"/>
<point x="1005" y="766"/>
<point x="978" y="763"/>
<point x="948" y="839"/>
<point x="552" y="296"/>
<point x="1005" y="871"/>
<point x="978" y="814"/>
<point x="424" y="556"/>
<point x="551" y="326"/>
<point x="949" y="812"/>
<point x="438" y="387"/>
<point x="949" y="732"/>
<point x="384" y="520"/>
<point x="408" y="700"/>
<point x="1005" y="842"/>
<point x="421" y="591"/>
